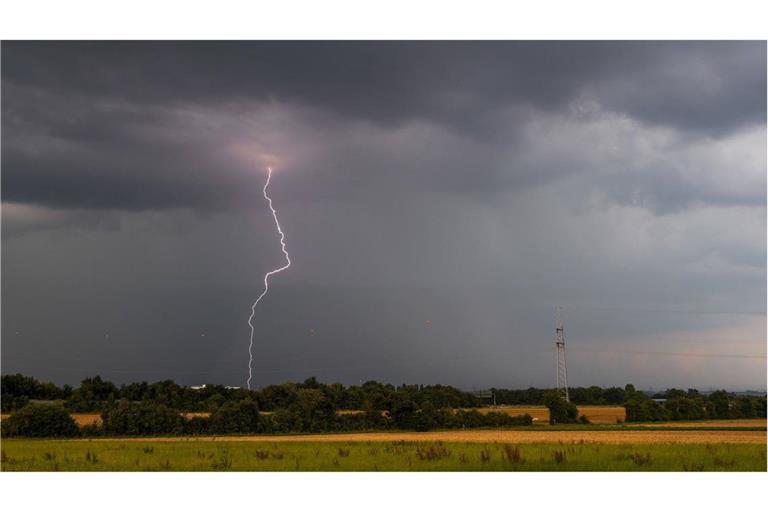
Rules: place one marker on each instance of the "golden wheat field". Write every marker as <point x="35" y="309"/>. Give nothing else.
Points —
<point x="596" y="413"/>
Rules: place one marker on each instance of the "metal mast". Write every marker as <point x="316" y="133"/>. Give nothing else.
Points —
<point x="561" y="371"/>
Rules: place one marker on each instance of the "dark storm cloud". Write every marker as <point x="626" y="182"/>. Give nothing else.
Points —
<point x="76" y="153"/>
<point x="95" y="113"/>
<point x="397" y="81"/>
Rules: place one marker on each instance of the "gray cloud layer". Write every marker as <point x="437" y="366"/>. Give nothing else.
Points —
<point x="120" y="106"/>
<point x="473" y="184"/>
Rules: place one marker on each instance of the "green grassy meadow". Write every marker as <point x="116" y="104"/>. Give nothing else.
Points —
<point x="199" y="455"/>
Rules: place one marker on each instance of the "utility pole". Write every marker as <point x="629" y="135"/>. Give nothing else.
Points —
<point x="561" y="371"/>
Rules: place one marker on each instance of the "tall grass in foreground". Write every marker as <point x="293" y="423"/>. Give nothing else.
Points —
<point x="87" y="455"/>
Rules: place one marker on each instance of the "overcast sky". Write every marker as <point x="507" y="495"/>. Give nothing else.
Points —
<point x="438" y="199"/>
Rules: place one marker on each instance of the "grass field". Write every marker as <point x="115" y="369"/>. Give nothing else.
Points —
<point x="708" y="445"/>
<point x="199" y="455"/>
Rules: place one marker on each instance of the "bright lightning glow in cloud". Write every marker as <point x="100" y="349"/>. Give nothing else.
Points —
<point x="267" y="275"/>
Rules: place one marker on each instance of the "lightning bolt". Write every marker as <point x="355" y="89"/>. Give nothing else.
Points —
<point x="267" y="275"/>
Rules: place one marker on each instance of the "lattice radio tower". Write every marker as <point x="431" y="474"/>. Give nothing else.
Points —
<point x="561" y="371"/>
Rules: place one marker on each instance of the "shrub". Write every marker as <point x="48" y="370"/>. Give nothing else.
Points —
<point x="368" y="420"/>
<point x="92" y="430"/>
<point x="139" y="418"/>
<point x="40" y="420"/>
<point x="558" y="456"/>
<point x="404" y="414"/>
<point x="641" y="459"/>
<point x="521" y="420"/>
<point x="432" y="452"/>
<point x="197" y="425"/>
<point x="283" y="420"/>
<point x="241" y="417"/>
<point x="560" y="410"/>
<point x="469" y="419"/>
<point x="512" y="453"/>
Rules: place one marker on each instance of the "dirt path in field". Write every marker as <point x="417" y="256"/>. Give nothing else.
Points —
<point x="503" y="436"/>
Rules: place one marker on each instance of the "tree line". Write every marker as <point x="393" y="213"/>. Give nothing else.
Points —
<point x="676" y="404"/>
<point x="94" y="393"/>
<point x="310" y="412"/>
<point x="42" y="409"/>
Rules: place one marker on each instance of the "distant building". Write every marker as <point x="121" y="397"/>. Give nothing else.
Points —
<point x="197" y="388"/>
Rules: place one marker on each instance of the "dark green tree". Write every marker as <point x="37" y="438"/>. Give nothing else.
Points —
<point x="140" y="418"/>
<point x="18" y="390"/>
<point x="313" y="409"/>
<point x="92" y="395"/>
<point x="403" y="414"/>
<point x="646" y="410"/>
<point x="560" y="410"/>
<point x="40" y="420"/>
<point x="241" y="417"/>
<point x="719" y="405"/>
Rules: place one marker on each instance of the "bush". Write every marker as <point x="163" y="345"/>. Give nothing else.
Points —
<point x="500" y="419"/>
<point x="197" y="425"/>
<point x="468" y="418"/>
<point x="92" y="430"/>
<point x="241" y="417"/>
<point x="404" y="414"/>
<point x="560" y="410"/>
<point x="282" y="420"/>
<point x="40" y="420"/>
<point x="368" y="420"/>
<point x="140" y="418"/>
<point x="523" y="419"/>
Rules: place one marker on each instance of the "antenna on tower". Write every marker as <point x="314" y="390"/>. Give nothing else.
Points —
<point x="561" y="371"/>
